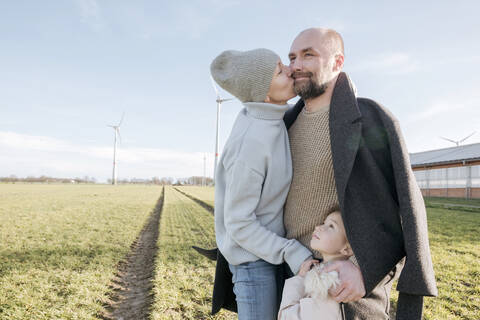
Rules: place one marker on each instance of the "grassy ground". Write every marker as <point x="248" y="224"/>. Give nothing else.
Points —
<point x="454" y="241"/>
<point x="206" y="194"/>
<point x="183" y="285"/>
<point x="59" y="245"/>
<point x="456" y="204"/>
<point x="470" y="202"/>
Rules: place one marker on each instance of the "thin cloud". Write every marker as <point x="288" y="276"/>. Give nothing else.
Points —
<point x="37" y="143"/>
<point x="447" y="117"/>
<point x="194" y="21"/>
<point x="91" y="14"/>
<point x="455" y="60"/>
<point x="392" y="63"/>
<point x="399" y="63"/>
<point x="446" y="107"/>
<point x="223" y="4"/>
<point x="39" y="155"/>
<point x="337" y="25"/>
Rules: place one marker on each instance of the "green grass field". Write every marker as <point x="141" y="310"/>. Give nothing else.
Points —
<point x="184" y="279"/>
<point x="60" y="244"/>
<point x="206" y="194"/>
<point x="456" y="204"/>
<point x="454" y="242"/>
<point x="469" y="202"/>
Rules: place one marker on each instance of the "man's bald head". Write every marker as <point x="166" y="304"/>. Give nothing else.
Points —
<point x="316" y="58"/>
<point x="328" y="39"/>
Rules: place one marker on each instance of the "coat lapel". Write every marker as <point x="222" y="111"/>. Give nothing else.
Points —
<point x="292" y="113"/>
<point x="345" y="132"/>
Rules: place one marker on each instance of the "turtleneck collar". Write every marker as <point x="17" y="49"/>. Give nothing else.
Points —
<point x="266" y="111"/>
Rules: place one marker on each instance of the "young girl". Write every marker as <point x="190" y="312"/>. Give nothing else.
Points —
<point x="305" y="296"/>
<point x="253" y="178"/>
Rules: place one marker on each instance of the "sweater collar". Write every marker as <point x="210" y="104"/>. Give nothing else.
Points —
<point x="266" y="111"/>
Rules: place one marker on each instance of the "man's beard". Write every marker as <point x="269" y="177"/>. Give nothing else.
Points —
<point x="310" y="89"/>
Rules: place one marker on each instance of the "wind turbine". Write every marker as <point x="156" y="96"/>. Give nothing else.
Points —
<point x="204" y="180"/>
<point x="459" y="141"/>
<point x="219" y="104"/>
<point x="117" y="133"/>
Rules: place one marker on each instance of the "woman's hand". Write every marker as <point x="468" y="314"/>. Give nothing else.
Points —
<point x="306" y="266"/>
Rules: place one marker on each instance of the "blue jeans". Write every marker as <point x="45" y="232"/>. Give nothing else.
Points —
<point x="255" y="287"/>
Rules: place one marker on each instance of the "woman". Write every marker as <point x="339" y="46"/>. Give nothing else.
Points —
<point x="253" y="178"/>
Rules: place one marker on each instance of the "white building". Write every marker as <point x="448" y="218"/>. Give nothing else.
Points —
<point x="449" y="172"/>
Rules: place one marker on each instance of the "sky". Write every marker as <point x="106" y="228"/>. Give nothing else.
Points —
<point x="69" y="68"/>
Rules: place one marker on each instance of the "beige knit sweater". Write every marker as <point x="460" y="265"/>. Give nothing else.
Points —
<point x="312" y="194"/>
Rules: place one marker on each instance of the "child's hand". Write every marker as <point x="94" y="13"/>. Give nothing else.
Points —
<point x="306" y="266"/>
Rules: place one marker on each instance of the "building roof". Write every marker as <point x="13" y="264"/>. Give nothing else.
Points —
<point x="468" y="152"/>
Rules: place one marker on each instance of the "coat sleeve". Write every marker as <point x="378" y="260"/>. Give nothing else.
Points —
<point x="417" y="277"/>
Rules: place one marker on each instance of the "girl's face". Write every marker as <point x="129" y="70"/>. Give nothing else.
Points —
<point x="329" y="238"/>
<point x="281" y="87"/>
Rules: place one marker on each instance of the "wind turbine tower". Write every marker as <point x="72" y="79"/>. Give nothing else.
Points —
<point x="204" y="180"/>
<point x="219" y="104"/>
<point x="116" y="129"/>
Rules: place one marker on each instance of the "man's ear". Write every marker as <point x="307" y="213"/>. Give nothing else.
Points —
<point x="339" y="61"/>
<point x="347" y="250"/>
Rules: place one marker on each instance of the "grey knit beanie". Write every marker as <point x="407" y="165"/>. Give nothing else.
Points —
<point x="245" y="74"/>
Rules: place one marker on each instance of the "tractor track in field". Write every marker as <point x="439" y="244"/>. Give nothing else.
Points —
<point x="200" y="202"/>
<point x="131" y="293"/>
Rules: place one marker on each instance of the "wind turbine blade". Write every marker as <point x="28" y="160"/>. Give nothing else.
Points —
<point x="468" y="136"/>
<point x="449" y="140"/>
<point x="215" y="87"/>
<point x="121" y="120"/>
<point x="223" y="100"/>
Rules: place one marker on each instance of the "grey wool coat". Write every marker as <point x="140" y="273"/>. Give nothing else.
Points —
<point x="381" y="204"/>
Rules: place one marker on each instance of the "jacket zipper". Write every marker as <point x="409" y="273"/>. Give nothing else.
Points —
<point x="343" y="311"/>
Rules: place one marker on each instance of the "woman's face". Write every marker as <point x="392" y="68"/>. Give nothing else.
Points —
<point x="281" y="87"/>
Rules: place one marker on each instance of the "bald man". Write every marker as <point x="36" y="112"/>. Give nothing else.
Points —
<point x="348" y="153"/>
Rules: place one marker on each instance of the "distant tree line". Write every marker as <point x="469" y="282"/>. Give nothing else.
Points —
<point x="45" y="179"/>
<point x="195" y="181"/>
<point x="155" y="180"/>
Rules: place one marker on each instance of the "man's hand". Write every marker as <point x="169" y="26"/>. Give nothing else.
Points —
<point x="306" y="266"/>
<point x="351" y="287"/>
